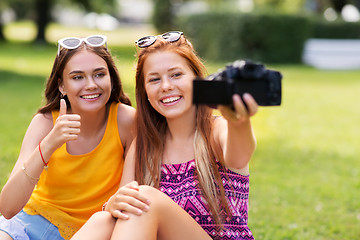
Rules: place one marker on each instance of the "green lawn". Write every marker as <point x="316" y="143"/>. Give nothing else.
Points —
<point x="305" y="174"/>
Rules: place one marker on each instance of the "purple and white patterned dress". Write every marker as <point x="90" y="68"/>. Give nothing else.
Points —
<point x="179" y="183"/>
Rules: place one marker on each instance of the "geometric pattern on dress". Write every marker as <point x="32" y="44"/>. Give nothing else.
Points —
<point x="178" y="181"/>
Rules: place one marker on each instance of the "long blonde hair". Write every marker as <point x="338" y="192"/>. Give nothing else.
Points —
<point x="152" y="126"/>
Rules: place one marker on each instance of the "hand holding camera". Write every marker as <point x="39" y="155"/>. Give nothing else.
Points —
<point x="238" y="78"/>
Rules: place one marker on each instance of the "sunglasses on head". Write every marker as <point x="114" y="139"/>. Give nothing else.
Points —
<point x="74" y="42"/>
<point x="149" y="40"/>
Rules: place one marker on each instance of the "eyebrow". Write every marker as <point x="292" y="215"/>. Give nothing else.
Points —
<point x="174" y="68"/>
<point x="79" y="71"/>
<point x="169" y="70"/>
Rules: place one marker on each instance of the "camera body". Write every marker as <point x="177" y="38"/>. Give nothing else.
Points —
<point x="239" y="77"/>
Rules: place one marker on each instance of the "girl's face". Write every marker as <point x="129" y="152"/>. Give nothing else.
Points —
<point x="168" y="84"/>
<point x="86" y="82"/>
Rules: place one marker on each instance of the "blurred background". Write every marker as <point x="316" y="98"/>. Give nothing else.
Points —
<point x="305" y="180"/>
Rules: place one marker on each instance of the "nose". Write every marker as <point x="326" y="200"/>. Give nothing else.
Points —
<point x="166" y="84"/>
<point x="90" y="83"/>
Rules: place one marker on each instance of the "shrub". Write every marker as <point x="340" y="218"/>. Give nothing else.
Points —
<point x="335" y="30"/>
<point x="260" y="37"/>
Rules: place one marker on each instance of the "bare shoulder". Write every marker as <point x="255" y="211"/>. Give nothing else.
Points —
<point x="40" y="126"/>
<point x="42" y="121"/>
<point x="125" y="115"/>
<point x="126" y="125"/>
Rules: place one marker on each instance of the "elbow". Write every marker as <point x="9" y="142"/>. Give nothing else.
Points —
<point x="8" y="217"/>
<point x="6" y="211"/>
<point x="7" y="214"/>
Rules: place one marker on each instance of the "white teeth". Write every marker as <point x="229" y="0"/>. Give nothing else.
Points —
<point x="90" y="96"/>
<point x="170" y="99"/>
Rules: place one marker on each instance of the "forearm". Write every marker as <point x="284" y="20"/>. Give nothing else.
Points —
<point x="240" y="146"/>
<point x="21" y="183"/>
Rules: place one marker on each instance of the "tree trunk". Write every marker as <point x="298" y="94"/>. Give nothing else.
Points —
<point x="43" y="9"/>
<point x="162" y="15"/>
<point x="338" y="4"/>
<point x="2" y="37"/>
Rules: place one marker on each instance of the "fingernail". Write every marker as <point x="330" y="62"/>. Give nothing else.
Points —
<point x="246" y="95"/>
<point x="139" y="212"/>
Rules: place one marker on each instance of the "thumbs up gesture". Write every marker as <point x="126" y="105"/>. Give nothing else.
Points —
<point x="66" y="127"/>
<point x="63" y="107"/>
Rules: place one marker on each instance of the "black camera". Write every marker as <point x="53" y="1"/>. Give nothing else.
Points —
<point x="238" y="78"/>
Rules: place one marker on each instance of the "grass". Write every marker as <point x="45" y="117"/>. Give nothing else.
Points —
<point x="305" y="172"/>
<point x="305" y="179"/>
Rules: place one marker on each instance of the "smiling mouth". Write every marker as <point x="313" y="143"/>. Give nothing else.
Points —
<point x="170" y="99"/>
<point x="91" y="96"/>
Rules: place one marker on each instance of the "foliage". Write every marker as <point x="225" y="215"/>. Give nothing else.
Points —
<point x="23" y="9"/>
<point x="229" y="36"/>
<point x="40" y="11"/>
<point x="335" y="30"/>
<point x="99" y="6"/>
<point x="295" y="6"/>
<point x="162" y="17"/>
<point x="285" y="6"/>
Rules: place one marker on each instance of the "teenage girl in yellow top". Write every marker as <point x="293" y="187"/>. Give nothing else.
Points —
<point x="71" y="158"/>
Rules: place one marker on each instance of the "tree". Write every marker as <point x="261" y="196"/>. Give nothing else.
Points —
<point x="162" y="18"/>
<point x="295" y="5"/>
<point x="40" y="11"/>
<point x="2" y="7"/>
<point x="338" y="4"/>
<point x="2" y="37"/>
<point x="164" y="13"/>
<point x="43" y="18"/>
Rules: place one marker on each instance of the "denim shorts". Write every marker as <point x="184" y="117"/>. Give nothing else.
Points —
<point x="29" y="227"/>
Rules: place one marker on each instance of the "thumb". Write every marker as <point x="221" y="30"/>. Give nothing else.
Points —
<point x="62" y="110"/>
<point x="134" y="185"/>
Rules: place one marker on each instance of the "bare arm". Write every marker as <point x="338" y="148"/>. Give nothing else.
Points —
<point x="126" y="120"/>
<point x="128" y="198"/>
<point x="235" y="134"/>
<point x="29" y="165"/>
<point x="128" y="174"/>
<point x="19" y="187"/>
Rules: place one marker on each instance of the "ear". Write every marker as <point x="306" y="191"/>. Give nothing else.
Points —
<point x="61" y="89"/>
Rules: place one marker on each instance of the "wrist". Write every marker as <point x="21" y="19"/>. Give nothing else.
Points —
<point x="104" y="206"/>
<point x="45" y="150"/>
<point x="42" y="157"/>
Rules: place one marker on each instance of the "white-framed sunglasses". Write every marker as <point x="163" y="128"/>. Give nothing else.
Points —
<point x="172" y="36"/>
<point x="74" y="42"/>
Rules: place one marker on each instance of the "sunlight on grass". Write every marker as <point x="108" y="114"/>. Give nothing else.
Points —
<point x="20" y="31"/>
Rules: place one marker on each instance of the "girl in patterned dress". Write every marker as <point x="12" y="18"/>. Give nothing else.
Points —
<point x="192" y="167"/>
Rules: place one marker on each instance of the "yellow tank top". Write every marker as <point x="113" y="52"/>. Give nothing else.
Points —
<point x="76" y="186"/>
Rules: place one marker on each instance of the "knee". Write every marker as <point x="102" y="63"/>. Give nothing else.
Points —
<point x="99" y="226"/>
<point x="102" y="217"/>
<point x="157" y="198"/>
<point x="149" y="192"/>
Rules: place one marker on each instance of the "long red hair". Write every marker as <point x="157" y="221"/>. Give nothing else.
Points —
<point x="152" y="126"/>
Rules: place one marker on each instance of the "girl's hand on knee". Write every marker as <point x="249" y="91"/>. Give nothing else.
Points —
<point x="127" y="200"/>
